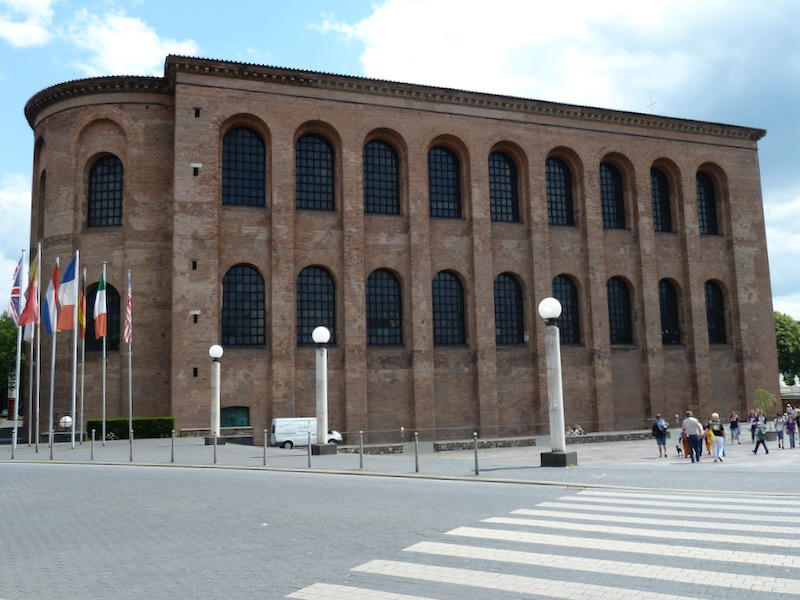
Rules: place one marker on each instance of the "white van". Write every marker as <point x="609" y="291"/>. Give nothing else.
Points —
<point x="294" y="432"/>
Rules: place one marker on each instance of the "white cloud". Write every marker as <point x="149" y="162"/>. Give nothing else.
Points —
<point x="15" y="203"/>
<point x="788" y="305"/>
<point x="25" y="23"/>
<point x="122" y="45"/>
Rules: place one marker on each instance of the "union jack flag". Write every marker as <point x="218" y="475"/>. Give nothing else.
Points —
<point x="16" y="304"/>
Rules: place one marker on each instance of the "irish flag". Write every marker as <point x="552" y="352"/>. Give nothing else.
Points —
<point x="100" y="309"/>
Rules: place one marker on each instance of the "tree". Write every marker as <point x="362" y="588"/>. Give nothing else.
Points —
<point x="787" y="332"/>
<point x="8" y="352"/>
<point x="764" y="400"/>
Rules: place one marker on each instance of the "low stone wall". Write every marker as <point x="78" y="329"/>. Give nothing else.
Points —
<point x="611" y="436"/>
<point x="374" y="449"/>
<point x="484" y="444"/>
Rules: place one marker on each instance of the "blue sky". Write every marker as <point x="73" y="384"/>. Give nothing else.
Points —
<point x="728" y="61"/>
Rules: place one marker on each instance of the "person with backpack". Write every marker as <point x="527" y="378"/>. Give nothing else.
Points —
<point x="660" y="427"/>
<point x="761" y="438"/>
<point x="715" y="436"/>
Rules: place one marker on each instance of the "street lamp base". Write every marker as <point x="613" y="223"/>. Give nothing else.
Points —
<point x="210" y="440"/>
<point x="559" y="459"/>
<point x="321" y="449"/>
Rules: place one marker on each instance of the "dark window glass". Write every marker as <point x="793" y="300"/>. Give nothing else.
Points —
<point x="112" y="320"/>
<point x="619" y="312"/>
<point x="105" y="192"/>
<point x="611" y="196"/>
<point x="659" y="190"/>
<point x="565" y="291"/>
<point x="243" y="168"/>
<point x="384" y="310"/>
<point x="559" y="193"/>
<point x="234" y="416"/>
<point x="314" y="173"/>
<point x="316" y="304"/>
<point x="509" y="325"/>
<point x="381" y="179"/>
<point x="706" y="205"/>
<point x="670" y="324"/>
<point x="448" y="310"/>
<point x="715" y="312"/>
<point x="243" y="307"/>
<point x="444" y="183"/>
<point x="503" y="187"/>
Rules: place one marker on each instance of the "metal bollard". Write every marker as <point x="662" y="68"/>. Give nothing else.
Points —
<point x="309" y="449"/>
<point x="92" y="453"/>
<point x="130" y="437"/>
<point x="361" y="450"/>
<point x="416" y="451"/>
<point x="51" y="443"/>
<point x="475" y="442"/>
<point x="215" y="449"/>
<point x="172" y="448"/>
<point x="265" y="447"/>
<point x="402" y="435"/>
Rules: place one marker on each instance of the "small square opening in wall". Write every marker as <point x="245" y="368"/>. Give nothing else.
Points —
<point x="194" y="372"/>
<point x="196" y="112"/>
<point x="194" y="265"/>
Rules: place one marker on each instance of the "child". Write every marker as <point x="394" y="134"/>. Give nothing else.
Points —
<point x="761" y="437"/>
<point x="780" y="421"/>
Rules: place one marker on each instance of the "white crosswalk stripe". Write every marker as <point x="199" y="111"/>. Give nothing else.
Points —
<point x="584" y="545"/>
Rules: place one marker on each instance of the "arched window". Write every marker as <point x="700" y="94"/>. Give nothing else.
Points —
<point x="243" y="167"/>
<point x="612" y="199"/>
<point x="509" y="324"/>
<point x="314" y="173"/>
<point x="444" y="183"/>
<point x="316" y="304"/>
<point x="243" y="307"/>
<point x="706" y="205"/>
<point x="565" y="291"/>
<point x="659" y="190"/>
<point x="105" y="192"/>
<point x="503" y="187"/>
<point x="715" y="312"/>
<point x="448" y="310"/>
<point x="384" y="309"/>
<point x="112" y="320"/>
<point x="670" y="322"/>
<point x="559" y="193"/>
<point x="619" y="312"/>
<point x="381" y="179"/>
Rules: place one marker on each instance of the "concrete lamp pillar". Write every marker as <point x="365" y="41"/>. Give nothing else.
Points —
<point x="215" y="352"/>
<point x="321" y="336"/>
<point x="550" y="310"/>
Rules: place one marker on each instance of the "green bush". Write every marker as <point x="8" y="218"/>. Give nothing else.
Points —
<point x="117" y="429"/>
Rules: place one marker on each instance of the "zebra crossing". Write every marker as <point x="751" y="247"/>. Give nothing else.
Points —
<point x="597" y="544"/>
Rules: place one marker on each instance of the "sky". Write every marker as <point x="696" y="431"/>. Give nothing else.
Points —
<point x="725" y="61"/>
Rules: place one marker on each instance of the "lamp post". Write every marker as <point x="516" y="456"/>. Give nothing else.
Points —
<point x="550" y="310"/>
<point x="321" y="336"/>
<point x="215" y="352"/>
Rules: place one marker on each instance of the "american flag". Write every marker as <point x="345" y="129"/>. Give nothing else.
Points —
<point x="128" y="326"/>
<point x="15" y="305"/>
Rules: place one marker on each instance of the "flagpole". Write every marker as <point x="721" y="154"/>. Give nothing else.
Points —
<point x="17" y="372"/>
<point x="75" y="347"/>
<point x="82" y="308"/>
<point x="128" y="331"/>
<point x="38" y="340"/>
<point x="104" y="357"/>
<point x="52" y="361"/>
<point x="29" y="414"/>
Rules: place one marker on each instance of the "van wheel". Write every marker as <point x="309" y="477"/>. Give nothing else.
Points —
<point x="333" y="442"/>
<point x="288" y="444"/>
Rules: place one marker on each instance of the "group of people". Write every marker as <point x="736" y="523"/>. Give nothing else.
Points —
<point x="694" y="433"/>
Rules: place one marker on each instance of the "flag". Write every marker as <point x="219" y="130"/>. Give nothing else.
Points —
<point x="128" y="327"/>
<point x="16" y="303"/>
<point x="67" y="296"/>
<point x="30" y="313"/>
<point x="50" y="308"/>
<point x="82" y="308"/>
<point x="100" y="309"/>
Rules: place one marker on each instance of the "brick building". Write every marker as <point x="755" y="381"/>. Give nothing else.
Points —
<point x="422" y="226"/>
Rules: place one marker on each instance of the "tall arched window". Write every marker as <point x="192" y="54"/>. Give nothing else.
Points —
<point x="316" y="304"/>
<point x="503" y="187"/>
<point x="715" y="312"/>
<point x="105" y="192"/>
<point x="381" y="179"/>
<point x="243" y="307"/>
<point x="444" y="183"/>
<point x="670" y="322"/>
<point x="613" y="201"/>
<point x="112" y="320"/>
<point x="706" y="205"/>
<point x="509" y="324"/>
<point x="384" y="309"/>
<point x="565" y="291"/>
<point x="559" y="193"/>
<point x="314" y="187"/>
<point x="448" y="310"/>
<point x="659" y="190"/>
<point x="619" y="312"/>
<point x="243" y="167"/>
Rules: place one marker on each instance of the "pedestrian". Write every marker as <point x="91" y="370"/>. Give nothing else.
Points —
<point x="693" y="430"/>
<point x="752" y="421"/>
<point x="715" y="435"/>
<point x="761" y="436"/>
<point x="660" y="433"/>
<point x="780" y="424"/>
<point x="791" y="430"/>
<point x="734" y="420"/>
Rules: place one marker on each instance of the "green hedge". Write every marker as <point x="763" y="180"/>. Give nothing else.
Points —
<point x="155" y="427"/>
